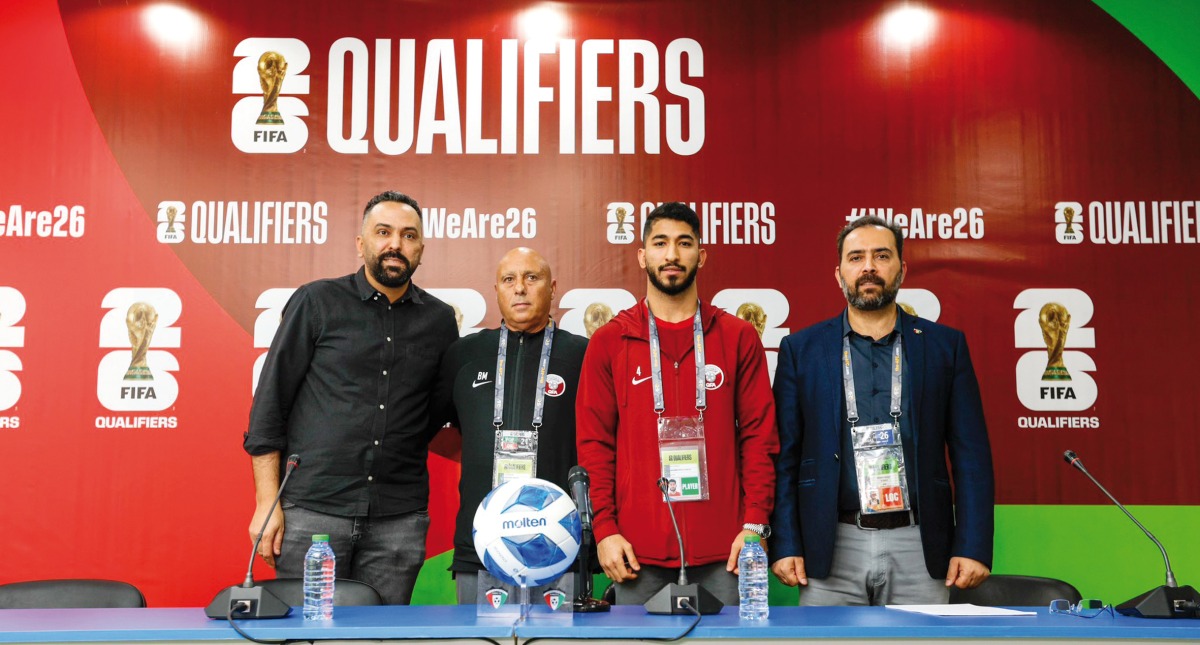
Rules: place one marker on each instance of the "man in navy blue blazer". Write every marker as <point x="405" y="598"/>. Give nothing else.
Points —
<point x="870" y="404"/>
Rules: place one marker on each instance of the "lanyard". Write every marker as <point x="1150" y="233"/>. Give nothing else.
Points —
<point x="656" y="362"/>
<point x="539" y="398"/>
<point x="848" y="381"/>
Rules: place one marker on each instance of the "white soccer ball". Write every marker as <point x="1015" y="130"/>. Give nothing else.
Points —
<point x="527" y="531"/>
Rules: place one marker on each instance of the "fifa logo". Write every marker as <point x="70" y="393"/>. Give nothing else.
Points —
<point x="139" y="326"/>
<point x="171" y="218"/>
<point x="270" y="77"/>
<point x="1068" y="222"/>
<point x="620" y="229"/>
<point x="1055" y="375"/>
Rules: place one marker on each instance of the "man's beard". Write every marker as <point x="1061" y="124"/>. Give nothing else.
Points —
<point x="672" y="289"/>
<point x="872" y="303"/>
<point x="391" y="277"/>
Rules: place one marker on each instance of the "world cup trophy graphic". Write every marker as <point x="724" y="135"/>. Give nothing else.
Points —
<point x="141" y="321"/>
<point x="1055" y="320"/>
<point x="172" y="214"/>
<point x="595" y="316"/>
<point x="1069" y="215"/>
<point x="458" y="316"/>
<point x="754" y="314"/>
<point x="908" y="309"/>
<point x="621" y="215"/>
<point x="272" y="67"/>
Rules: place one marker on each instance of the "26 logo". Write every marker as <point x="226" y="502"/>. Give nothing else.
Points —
<point x="271" y="72"/>
<point x="766" y="309"/>
<point x="171" y="218"/>
<point x="621" y="223"/>
<point x="1068" y="222"/>
<point x="586" y="310"/>
<point x="137" y="375"/>
<point x="1057" y="375"/>
<point x="271" y="302"/>
<point x="922" y="303"/>
<point x="469" y="308"/>
<point x="12" y="335"/>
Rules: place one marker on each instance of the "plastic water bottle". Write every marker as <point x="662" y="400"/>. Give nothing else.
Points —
<point x="752" y="580"/>
<point x="318" y="579"/>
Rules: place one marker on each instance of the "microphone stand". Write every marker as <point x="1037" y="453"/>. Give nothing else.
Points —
<point x="584" y="602"/>
<point x="681" y="598"/>
<point x="578" y="482"/>
<point x="248" y="600"/>
<point x="1165" y="601"/>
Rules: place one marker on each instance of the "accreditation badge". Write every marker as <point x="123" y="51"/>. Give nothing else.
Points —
<point x="683" y="457"/>
<point x="515" y="456"/>
<point x="879" y="465"/>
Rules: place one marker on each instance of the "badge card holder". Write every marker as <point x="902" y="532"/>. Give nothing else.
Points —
<point x="683" y="456"/>
<point x="515" y="456"/>
<point x="879" y="464"/>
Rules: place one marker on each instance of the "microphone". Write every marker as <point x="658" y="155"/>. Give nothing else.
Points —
<point x="578" y="481"/>
<point x="1167" y="601"/>
<point x="247" y="599"/>
<point x="681" y="598"/>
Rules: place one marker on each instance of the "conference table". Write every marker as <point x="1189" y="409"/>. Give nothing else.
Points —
<point x="459" y="624"/>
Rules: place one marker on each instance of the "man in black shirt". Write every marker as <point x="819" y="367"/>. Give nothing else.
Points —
<point x="346" y="386"/>
<point x="535" y="435"/>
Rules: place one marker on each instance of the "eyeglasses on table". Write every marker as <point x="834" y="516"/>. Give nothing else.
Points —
<point x="1086" y="608"/>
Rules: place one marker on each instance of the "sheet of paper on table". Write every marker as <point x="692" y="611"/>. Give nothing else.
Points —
<point x="961" y="610"/>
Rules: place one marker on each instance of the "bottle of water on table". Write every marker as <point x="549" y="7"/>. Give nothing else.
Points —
<point x="318" y="579"/>
<point x="752" y="580"/>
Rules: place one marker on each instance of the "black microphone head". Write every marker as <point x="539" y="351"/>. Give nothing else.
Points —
<point x="662" y="484"/>
<point x="1073" y="459"/>
<point x="577" y="474"/>
<point x="293" y="461"/>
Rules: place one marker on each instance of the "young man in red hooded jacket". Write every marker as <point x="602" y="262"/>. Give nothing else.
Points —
<point x="673" y="389"/>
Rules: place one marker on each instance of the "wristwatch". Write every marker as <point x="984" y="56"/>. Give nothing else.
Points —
<point x="763" y="530"/>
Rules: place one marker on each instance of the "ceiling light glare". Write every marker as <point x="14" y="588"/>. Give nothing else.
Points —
<point x="908" y="26"/>
<point x="172" y="26"/>
<point x="545" y="22"/>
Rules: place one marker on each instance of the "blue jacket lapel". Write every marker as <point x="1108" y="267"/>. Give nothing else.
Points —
<point x="912" y="329"/>
<point x="832" y="387"/>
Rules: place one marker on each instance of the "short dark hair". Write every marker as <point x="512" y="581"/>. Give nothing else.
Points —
<point x="872" y="220"/>
<point x="391" y="196"/>
<point x="678" y="211"/>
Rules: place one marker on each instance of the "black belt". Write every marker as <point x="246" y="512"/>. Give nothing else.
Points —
<point x="878" y="521"/>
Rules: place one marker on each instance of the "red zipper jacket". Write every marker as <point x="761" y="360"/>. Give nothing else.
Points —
<point x="616" y="432"/>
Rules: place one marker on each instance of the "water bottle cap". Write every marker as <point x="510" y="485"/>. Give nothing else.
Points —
<point x="752" y="538"/>
<point x="321" y="538"/>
